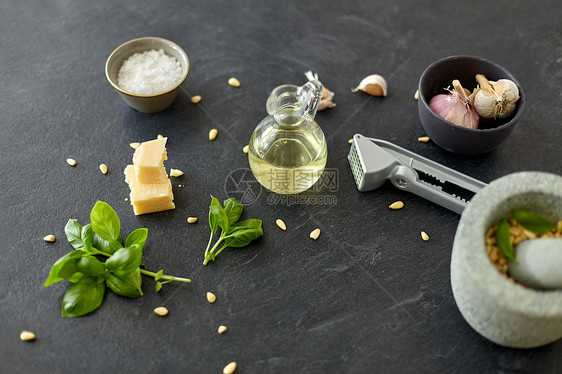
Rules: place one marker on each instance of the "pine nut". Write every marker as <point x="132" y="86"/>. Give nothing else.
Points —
<point x="315" y="234"/>
<point x="230" y="368"/>
<point x="246" y="149"/>
<point x="396" y="205"/>
<point x="234" y="82"/>
<point x="160" y="136"/>
<point x="213" y="134"/>
<point x="134" y="145"/>
<point x="424" y="236"/>
<point x="417" y="95"/>
<point x="222" y="329"/>
<point x="423" y="139"/>
<point x="71" y="161"/>
<point x="176" y="172"/>
<point x="49" y="238"/>
<point x="191" y="219"/>
<point x="281" y="224"/>
<point x="195" y="99"/>
<point x="103" y="168"/>
<point x="161" y="311"/>
<point x="211" y="297"/>
<point x="27" y="336"/>
<point x="350" y="141"/>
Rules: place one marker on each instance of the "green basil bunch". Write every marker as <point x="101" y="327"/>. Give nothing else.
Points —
<point x="121" y="271"/>
<point x="234" y="233"/>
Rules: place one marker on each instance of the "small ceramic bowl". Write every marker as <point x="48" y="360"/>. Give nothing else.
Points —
<point x="146" y="103"/>
<point x="457" y="139"/>
<point x="505" y="312"/>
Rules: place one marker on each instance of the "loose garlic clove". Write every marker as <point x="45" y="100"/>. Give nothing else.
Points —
<point x="374" y="85"/>
<point x="327" y="95"/>
<point x="495" y="99"/>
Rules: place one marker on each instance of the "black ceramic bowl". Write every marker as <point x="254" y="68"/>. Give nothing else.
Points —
<point x="457" y="139"/>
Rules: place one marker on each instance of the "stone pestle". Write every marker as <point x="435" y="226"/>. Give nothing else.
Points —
<point x="539" y="263"/>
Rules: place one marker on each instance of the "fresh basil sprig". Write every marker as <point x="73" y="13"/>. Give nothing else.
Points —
<point x="121" y="271"/>
<point x="233" y="233"/>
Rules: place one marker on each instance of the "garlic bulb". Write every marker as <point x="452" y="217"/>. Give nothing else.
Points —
<point x="455" y="107"/>
<point x="327" y="95"/>
<point x="495" y="99"/>
<point x="373" y="85"/>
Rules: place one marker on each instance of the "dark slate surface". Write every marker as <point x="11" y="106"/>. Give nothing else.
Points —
<point x="368" y="296"/>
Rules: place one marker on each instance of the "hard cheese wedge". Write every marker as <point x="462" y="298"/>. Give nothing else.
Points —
<point x="148" y="161"/>
<point x="148" y="197"/>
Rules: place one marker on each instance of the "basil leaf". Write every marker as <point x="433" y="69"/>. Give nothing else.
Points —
<point x="125" y="260"/>
<point x="214" y="213"/>
<point x="90" y="265"/>
<point x="137" y="237"/>
<point x="126" y="285"/>
<point x="82" y="297"/>
<point x="246" y="224"/>
<point x="504" y="241"/>
<point x="242" y="237"/>
<point x="233" y="209"/>
<point x="73" y="231"/>
<point x="105" y="221"/>
<point x="87" y="236"/>
<point x="532" y="221"/>
<point x="65" y="268"/>
<point x="107" y="246"/>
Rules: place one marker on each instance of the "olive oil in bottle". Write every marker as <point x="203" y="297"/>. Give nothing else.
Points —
<point x="287" y="151"/>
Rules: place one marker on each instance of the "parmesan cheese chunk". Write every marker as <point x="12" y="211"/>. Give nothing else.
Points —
<point x="148" y="197"/>
<point x="149" y="160"/>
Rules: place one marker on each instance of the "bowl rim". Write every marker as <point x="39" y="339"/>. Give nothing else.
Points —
<point x="157" y="38"/>
<point x="511" y="122"/>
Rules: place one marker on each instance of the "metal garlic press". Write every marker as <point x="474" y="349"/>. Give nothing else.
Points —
<point x="373" y="161"/>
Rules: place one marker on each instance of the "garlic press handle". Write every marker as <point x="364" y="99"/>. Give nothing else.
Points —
<point x="405" y="178"/>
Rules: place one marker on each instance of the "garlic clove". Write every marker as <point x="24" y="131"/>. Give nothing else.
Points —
<point x="374" y="85"/>
<point x="327" y="95"/>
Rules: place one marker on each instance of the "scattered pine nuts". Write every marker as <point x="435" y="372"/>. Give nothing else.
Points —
<point x="234" y="82"/>
<point x="176" y="173"/>
<point x="27" y="336"/>
<point x="134" y="145"/>
<point x="161" y="311"/>
<point x="211" y="297"/>
<point x="222" y="329"/>
<point x="71" y="161"/>
<point x="246" y="149"/>
<point x="230" y="368"/>
<point x="103" y="168"/>
<point x="49" y="238"/>
<point x="423" y="139"/>
<point x="195" y="99"/>
<point x="315" y="234"/>
<point x="191" y="219"/>
<point x="424" y="236"/>
<point x="417" y="95"/>
<point x="350" y="141"/>
<point x="160" y="136"/>
<point x="213" y="134"/>
<point x="396" y="205"/>
<point x="281" y="224"/>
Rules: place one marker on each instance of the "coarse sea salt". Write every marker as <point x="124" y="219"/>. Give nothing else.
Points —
<point x="149" y="73"/>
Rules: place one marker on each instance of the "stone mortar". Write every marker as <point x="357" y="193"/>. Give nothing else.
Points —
<point x="502" y="311"/>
